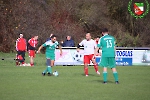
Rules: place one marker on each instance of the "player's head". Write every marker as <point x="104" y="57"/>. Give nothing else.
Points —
<point x="88" y="36"/>
<point x="68" y="37"/>
<point x="21" y="35"/>
<point x="97" y="38"/>
<point x="53" y="38"/>
<point x="35" y="37"/>
<point x="104" y="31"/>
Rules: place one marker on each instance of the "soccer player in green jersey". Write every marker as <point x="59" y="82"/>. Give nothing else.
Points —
<point x="50" y="53"/>
<point x="107" y="44"/>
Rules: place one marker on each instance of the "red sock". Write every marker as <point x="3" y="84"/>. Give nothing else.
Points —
<point x="32" y="64"/>
<point x="23" y="62"/>
<point x="17" y="63"/>
<point x="96" y="67"/>
<point x="86" y="71"/>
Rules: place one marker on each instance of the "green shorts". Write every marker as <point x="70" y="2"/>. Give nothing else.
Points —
<point x="108" y="62"/>
<point x="51" y="58"/>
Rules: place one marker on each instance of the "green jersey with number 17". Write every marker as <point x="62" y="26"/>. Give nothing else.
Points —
<point x="107" y="44"/>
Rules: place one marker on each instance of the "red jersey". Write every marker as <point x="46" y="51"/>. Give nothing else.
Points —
<point x="21" y="44"/>
<point x="32" y="43"/>
<point x="96" y="41"/>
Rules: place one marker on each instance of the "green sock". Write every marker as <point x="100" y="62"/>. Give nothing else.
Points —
<point x="45" y="70"/>
<point x="115" y="76"/>
<point x="49" y="69"/>
<point x="105" y="76"/>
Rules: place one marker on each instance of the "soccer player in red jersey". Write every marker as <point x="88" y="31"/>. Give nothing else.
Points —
<point x="31" y="48"/>
<point x="89" y="47"/>
<point x="21" y="49"/>
<point x="97" y="39"/>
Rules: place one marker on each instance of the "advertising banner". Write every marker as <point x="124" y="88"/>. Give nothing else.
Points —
<point x="69" y="57"/>
<point x="141" y="57"/>
<point x="72" y="57"/>
<point x="124" y="57"/>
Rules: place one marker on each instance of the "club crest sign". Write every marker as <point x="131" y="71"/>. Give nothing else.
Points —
<point x="139" y="10"/>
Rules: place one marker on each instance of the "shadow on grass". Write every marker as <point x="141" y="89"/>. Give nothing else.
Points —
<point x="95" y="75"/>
<point x="101" y="81"/>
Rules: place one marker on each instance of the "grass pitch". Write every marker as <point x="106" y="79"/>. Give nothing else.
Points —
<point x="27" y="83"/>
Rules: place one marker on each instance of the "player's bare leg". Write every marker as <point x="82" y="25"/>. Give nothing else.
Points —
<point x="105" y="75"/>
<point x="115" y="75"/>
<point x="52" y="63"/>
<point x="86" y="69"/>
<point x="95" y="66"/>
<point x="32" y="61"/>
<point x="114" y="70"/>
<point x="17" y="62"/>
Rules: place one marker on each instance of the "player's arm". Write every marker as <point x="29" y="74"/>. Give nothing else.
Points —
<point x="59" y="46"/>
<point x="96" y="51"/>
<point x="115" y="50"/>
<point x="25" y="44"/>
<point x="40" y="48"/>
<point x="115" y="47"/>
<point x="97" y="48"/>
<point x="17" y="45"/>
<point x="79" y="45"/>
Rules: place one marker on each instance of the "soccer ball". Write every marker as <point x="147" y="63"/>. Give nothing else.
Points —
<point x="55" y="73"/>
<point x="77" y="56"/>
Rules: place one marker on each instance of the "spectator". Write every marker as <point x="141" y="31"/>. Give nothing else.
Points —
<point x="31" y="49"/>
<point x="21" y="49"/>
<point x="69" y="42"/>
<point x="49" y="37"/>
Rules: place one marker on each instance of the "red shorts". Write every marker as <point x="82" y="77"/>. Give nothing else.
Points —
<point x="87" y="58"/>
<point x="31" y="53"/>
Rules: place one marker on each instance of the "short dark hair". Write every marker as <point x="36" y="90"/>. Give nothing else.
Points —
<point x="97" y="37"/>
<point x="53" y="36"/>
<point x="104" y="30"/>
